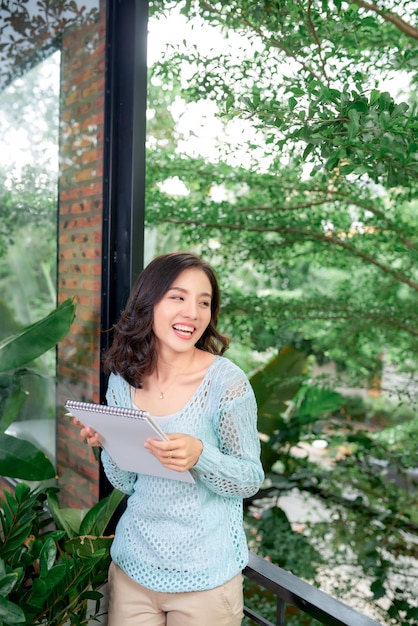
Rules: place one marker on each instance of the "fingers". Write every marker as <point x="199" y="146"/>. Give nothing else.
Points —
<point x="90" y="436"/>
<point x="162" y="452"/>
<point x="87" y="434"/>
<point x="180" y="453"/>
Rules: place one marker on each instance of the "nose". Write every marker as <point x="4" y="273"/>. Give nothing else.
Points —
<point x="190" y="309"/>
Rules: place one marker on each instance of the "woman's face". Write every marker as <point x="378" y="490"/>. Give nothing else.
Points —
<point x="184" y="312"/>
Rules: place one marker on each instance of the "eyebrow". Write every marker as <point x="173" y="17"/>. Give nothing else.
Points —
<point x="203" y="294"/>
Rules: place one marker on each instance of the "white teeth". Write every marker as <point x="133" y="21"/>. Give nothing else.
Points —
<point x="184" y="329"/>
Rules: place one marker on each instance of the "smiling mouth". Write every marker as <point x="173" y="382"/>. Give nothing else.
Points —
<point x="186" y="330"/>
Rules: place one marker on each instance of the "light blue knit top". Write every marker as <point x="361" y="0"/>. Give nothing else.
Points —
<point x="176" y="536"/>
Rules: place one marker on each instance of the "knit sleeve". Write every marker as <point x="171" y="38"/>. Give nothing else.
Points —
<point x="118" y="478"/>
<point x="234" y="468"/>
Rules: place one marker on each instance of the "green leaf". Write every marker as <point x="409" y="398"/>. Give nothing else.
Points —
<point x="36" y="339"/>
<point x="11" y="613"/>
<point x="13" y="544"/>
<point x="11" y="501"/>
<point x="54" y="576"/>
<point x="288" y="364"/>
<point x="67" y="519"/>
<point x="319" y="400"/>
<point x="374" y="96"/>
<point x="274" y="384"/>
<point x="98" y="517"/>
<point x="93" y="595"/>
<point x="5" y="519"/>
<point x="378" y="589"/>
<point x="8" y="583"/>
<point x="309" y="148"/>
<point x="292" y="102"/>
<point x="354" y="125"/>
<point x="89" y="545"/>
<point x="12" y="405"/>
<point x="332" y="163"/>
<point x="346" y="169"/>
<point x="39" y="592"/>
<point x="52" y="583"/>
<point x="360" y="106"/>
<point x="297" y="91"/>
<point x="22" y="492"/>
<point x="47" y="556"/>
<point x="21" y="459"/>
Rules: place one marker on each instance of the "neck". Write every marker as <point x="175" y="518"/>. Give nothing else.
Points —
<point x="168" y="372"/>
<point x="172" y="365"/>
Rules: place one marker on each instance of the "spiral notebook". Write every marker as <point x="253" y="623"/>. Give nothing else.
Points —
<point x="123" y="433"/>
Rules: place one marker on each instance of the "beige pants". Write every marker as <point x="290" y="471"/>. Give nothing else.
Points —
<point x="131" y="604"/>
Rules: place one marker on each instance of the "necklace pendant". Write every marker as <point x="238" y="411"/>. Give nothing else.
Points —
<point x="161" y="395"/>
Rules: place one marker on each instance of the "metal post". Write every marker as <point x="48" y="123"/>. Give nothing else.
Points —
<point x="280" y="612"/>
<point x="124" y="162"/>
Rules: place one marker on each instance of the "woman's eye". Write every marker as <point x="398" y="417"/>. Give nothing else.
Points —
<point x="205" y="304"/>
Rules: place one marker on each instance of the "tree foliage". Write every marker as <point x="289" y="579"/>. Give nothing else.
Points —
<point x="29" y="163"/>
<point x="307" y="206"/>
<point x="322" y="209"/>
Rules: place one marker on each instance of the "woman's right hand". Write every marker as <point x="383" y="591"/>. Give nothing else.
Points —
<point x="87" y="434"/>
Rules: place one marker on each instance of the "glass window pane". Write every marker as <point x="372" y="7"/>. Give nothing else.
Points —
<point x="34" y="38"/>
<point x="29" y="108"/>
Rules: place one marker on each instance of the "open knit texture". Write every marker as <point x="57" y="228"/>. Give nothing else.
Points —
<point x="176" y="536"/>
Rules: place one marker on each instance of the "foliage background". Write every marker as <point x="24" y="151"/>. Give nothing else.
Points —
<point x="297" y="179"/>
<point x="299" y="183"/>
<point x="319" y="214"/>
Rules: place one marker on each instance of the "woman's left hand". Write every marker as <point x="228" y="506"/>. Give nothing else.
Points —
<point x="180" y="453"/>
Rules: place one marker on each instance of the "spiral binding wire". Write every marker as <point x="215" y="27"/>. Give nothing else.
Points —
<point x="104" y="408"/>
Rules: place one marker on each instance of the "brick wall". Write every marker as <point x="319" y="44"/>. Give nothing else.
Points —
<point x="79" y="248"/>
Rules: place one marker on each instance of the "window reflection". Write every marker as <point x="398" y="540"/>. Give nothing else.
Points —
<point x="31" y="129"/>
<point x="30" y="29"/>
<point x="28" y="210"/>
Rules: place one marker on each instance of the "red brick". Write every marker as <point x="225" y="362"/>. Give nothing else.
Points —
<point x="79" y="253"/>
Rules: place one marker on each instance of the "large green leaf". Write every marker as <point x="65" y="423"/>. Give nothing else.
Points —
<point x="87" y="545"/>
<point x="67" y="519"/>
<point x="36" y="339"/>
<point x="274" y="385"/>
<point x="8" y="323"/>
<point x="98" y="517"/>
<point x="277" y="382"/>
<point x="13" y="403"/>
<point x="316" y="400"/>
<point x="21" y="459"/>
<point x="92" y="522"/>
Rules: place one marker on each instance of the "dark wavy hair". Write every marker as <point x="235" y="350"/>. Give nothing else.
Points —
<point x="132" y="353"/>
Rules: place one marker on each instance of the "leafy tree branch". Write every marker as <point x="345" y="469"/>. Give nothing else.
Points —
<point x="403" y="26"/>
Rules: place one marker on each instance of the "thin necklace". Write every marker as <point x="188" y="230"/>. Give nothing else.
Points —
<point x="161" y="393"/>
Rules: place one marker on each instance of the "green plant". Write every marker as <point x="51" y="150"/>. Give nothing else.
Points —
<point x="20" y="458"/>
<point x="275" y="384"/>
<point x="288" y="407"/>
<point x="365" y="486"/>
<point x="53" y="562"/>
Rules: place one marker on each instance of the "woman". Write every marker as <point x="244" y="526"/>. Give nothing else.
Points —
<point x="180" y="547"/>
